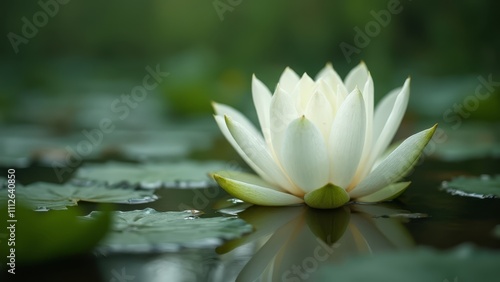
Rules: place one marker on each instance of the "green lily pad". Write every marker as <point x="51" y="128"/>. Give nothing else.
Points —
<point x="44" y="236"/>
<point x="22" y="145"/>
<point x="183" y="174"/>
<point x="464" y="263"/>
<point x="474" y="140"/>
<point x="147" y="230"/>
<point x="482" y="187"/>
<point x="44" y="196"/>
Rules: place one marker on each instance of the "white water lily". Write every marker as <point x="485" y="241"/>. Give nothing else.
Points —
<point x="321" y="142"/>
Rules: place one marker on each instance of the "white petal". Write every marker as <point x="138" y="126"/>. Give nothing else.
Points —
<point x="288" y="80"/>
<point x="368" y="143"/>
<point x="305" y="157"/>
<point x="282" y="112"/>
<point x="346" y="139"/>
<point x="387" y="117"/>
<point x="395" y="166"/>
<point x="303" y="92"/>
<point x="356" y="77"/>
<point x="262" y="102"/>
<point x="387" y="193"/>
<point x="255" y="149"/>
<point x="391" y="126"/>
<point x="368" y="99"/>
<point x="330" y="76"/>
<point x="251" y="189"/>
<point x="324" y="72"/>
<point x="330" y="94"/>
<point x="320" y="112"/>
<point x="341" y="95"/>
<point x="225" y="110"/>
<point x="225" y="131"/>
<point x="383" y="111"/>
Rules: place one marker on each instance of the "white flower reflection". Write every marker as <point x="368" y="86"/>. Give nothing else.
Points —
<point x="291" y="243"/>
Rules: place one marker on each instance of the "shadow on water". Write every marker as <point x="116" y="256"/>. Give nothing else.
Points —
<point x="290" y="242"/>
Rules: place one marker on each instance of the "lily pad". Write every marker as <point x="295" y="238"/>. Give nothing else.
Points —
<point x="464" y="263"/>
<point x="183" y="174"/>
<point x="44" y="236"/>
<point x="22" y="145"/>
<point x="44" y="196"/>
<point x="147" y="230"/>
<point x="482" y="187"/>
<point x="474" y="140"/>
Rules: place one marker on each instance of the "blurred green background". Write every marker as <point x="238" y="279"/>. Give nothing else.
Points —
<point x="84" y="50"/>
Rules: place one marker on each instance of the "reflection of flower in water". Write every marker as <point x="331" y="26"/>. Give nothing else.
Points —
<point x="293" y="242"/>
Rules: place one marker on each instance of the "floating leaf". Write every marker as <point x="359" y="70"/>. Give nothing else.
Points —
<point x="172" y="140"/>
<point x="22" y="145"/>
<point x="481" y="187"/>
<point x="464" y="263"/>
<point x="474" y="140"/>
<point x="147" y="230"/>
<point x="185" y="174"/>
<point x="44" y="236"/>
<point x="43" y="196"/>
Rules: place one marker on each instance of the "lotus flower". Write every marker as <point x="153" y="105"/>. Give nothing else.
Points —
<point x="321" y="142"/>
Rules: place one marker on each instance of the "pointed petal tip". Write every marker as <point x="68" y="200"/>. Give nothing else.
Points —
<point x="407" y="82"/>
<point x="305" y="76"/>
<point x="252" y="189"/>
<point x="218" y="107"/>
<point x="433" y="129"/>
<point x="363" y="65"/>
<point x="396" y="165"/>
<point x="329" y="196"/>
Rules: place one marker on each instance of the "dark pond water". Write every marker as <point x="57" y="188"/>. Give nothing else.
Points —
<point x="284" y="238"/>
